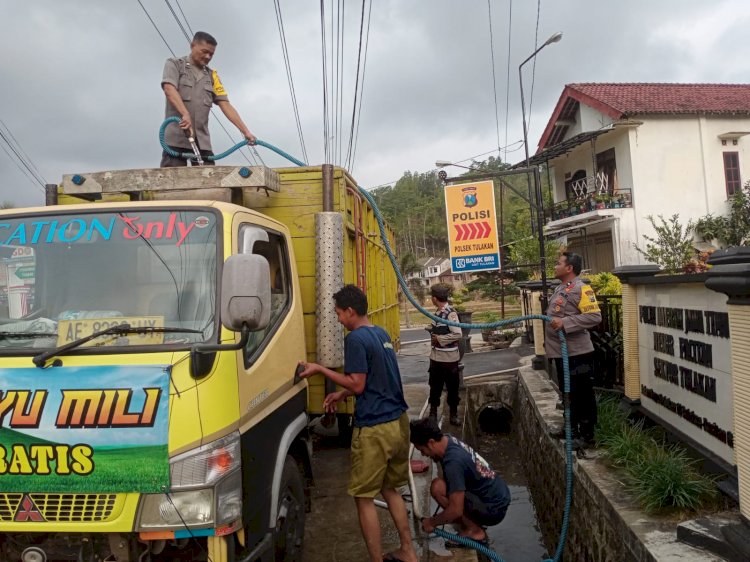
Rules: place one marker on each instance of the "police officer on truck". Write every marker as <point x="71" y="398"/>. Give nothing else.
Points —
<point x="574" y="310"/>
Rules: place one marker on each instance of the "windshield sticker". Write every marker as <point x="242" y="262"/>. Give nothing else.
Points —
<point x="99" y="228"/>
<point x="84" y="429"/>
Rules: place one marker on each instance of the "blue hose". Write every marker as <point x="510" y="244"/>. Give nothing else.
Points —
<point x="484" y="325"/>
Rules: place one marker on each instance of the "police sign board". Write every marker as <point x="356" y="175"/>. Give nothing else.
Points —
<point x="472" y="227"/>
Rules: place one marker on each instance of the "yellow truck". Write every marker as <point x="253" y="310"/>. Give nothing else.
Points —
<point x="151" y="323"/>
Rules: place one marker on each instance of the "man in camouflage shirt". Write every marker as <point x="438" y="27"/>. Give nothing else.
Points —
<point x="574" y="310"/>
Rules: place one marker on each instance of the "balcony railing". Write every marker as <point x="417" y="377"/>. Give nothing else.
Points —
<point x="571" y="207"/>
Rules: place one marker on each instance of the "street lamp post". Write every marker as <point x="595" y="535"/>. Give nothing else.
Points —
<point x="537" y="184"/>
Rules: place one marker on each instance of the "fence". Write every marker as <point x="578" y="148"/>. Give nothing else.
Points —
<point x="606" y="337"/>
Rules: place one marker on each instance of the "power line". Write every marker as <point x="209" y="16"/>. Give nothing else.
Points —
<point x="23" y="170"/>
<point x="356" y="82"/>
<point x="20" y="159"/>
<point x="156" y="27"/>
<point x="494" y="79"/>
<point x="290" y="79"/>
<point x="361" y="89"/>
<point x="507" y="78"/>
<point x="533" y="68"/>
<point x="519" y="147"/>
<point x="25" y="154"/>
<point x="184" y="17"/>
<point x="341" y="84"/>
<point x="325" y="77"/>
<point x="179" y="23"/>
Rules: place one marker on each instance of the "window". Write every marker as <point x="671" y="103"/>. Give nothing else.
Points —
<point x="732" y="172"/>
<point x="271" y="246"/>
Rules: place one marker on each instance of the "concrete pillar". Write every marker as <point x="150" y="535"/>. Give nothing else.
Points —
<point x="632" y="374"/>
<point x="731" y="275"/>
<point x="538" y="325"/>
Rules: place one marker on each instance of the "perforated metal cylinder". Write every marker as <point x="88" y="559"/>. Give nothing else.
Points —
<point x="329" y="253"/>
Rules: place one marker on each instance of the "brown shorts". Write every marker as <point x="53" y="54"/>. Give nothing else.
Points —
<point x="380" y="457"/>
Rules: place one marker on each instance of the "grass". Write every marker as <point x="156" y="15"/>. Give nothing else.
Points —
<point x="123" y="469"/>
<point x="667" y="477"/>
<point x="661" y="476"/>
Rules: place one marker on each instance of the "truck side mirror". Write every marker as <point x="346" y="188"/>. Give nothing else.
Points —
<point x="246" y="292"/>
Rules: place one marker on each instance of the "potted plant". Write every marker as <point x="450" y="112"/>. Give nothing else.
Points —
<point x="602" y="200"/>
<point x="486" y="317"/>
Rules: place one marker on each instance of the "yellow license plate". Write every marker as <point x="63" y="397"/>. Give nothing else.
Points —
<point x="71" y="330"/>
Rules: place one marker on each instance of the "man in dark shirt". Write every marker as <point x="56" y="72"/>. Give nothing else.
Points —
<point x="470" y="492"/>
<point x="380" y="440"/>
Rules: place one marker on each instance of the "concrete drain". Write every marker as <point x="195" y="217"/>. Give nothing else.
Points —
<point x="495" y="419"/>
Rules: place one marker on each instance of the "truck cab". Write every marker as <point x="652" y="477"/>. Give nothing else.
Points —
<point x="151" y="324"/>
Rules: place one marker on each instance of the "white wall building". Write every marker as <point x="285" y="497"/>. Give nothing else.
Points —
<point x="616" y="153"/>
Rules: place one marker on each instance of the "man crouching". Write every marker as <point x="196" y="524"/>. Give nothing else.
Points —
<point x="470" y="492"/>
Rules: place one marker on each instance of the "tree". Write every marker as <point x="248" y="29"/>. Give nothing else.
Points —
<point x="409" y="266"/>
<point x="672" y="248"/>
<point x="732" y="230"/>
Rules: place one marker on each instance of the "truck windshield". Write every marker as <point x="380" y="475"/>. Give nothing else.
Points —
<point x="66" y="276"/>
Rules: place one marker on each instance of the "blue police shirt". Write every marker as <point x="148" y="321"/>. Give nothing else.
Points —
<point x="369" y="350"/>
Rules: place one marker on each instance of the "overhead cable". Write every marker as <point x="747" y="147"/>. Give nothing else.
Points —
<point x="325" y="78"/>
<point x="507" y="78"/>
<point x="494" y="79"/>
<point x="290" y="79"/>
<point x="37" y="173"/>
<point x="533" y="68"/>
<point x="356" y="81"/>
<point x="254" y="153"/>
<point x="350" y="165"/>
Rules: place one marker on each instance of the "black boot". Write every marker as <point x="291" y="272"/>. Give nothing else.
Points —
<point x="454" y="417"/>
<point x="433" y="413"/>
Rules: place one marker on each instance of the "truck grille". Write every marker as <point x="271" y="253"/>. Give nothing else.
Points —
<point x="62" y="508"/>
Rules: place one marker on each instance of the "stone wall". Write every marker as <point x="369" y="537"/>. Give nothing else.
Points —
<point x="605" y="524"/>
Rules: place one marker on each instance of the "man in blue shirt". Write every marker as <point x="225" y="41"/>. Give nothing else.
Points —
<point x="470" y="492"/>
<point x="380" y="440"/>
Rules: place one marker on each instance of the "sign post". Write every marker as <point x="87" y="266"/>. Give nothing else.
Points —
<point x="472" y="227"/>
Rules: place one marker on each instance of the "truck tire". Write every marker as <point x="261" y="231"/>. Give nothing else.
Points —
<point x="290" y="519"/>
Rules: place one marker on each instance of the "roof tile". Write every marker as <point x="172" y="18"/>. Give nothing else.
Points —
<point x="640" y="98"/>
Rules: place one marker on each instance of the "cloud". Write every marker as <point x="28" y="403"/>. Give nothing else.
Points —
<point x="80" y="90"/>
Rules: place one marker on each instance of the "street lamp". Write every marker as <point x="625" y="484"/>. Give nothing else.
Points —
<point x="537" y="188"/>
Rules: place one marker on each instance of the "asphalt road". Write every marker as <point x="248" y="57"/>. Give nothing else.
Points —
<point x="417" y="334"/>
<point x="413" y="361"/>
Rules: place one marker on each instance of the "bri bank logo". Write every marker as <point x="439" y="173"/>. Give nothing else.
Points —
<point x="89" y="228"/>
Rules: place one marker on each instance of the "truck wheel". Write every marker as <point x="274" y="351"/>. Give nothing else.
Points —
<point x="290" y="519"/>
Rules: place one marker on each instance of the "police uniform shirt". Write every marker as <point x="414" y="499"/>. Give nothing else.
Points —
<point x="574" y="302"/>
<point x="199" y="89"/>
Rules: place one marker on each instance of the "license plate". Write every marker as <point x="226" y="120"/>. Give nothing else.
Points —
<point x="71" y="330"/>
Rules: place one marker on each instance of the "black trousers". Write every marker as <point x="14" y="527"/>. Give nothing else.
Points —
<point x="444" y="374"/>
<point x="583" y="414"/>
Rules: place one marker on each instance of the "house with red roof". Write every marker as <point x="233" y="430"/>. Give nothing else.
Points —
<point x="616" y="153"/>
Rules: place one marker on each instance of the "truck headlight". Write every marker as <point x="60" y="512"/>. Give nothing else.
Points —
<point x="229" y="499"/>
<point x="194" y="508"/>
<point x="206" y="486"/>
<point x="206" y="465"/>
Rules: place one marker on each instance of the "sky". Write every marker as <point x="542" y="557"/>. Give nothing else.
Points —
<point x="80" y="88"/>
